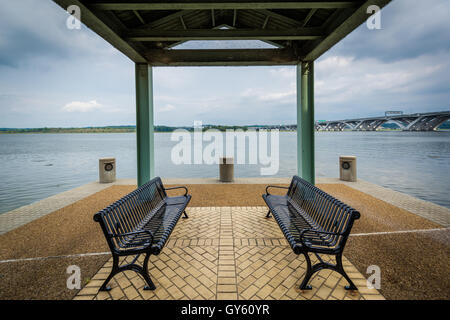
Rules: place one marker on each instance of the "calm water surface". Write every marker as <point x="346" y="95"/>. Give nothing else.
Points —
<point x="35" y="166"/>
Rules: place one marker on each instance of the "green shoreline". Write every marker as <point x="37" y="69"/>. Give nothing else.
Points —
<point x="157" y="129"/>
<point x="121" y="129"/>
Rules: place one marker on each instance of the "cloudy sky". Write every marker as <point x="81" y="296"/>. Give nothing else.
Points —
<point x="55" y="77"/>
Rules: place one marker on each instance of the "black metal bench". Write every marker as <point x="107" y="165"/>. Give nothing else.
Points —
<point x="313" y="221"/>
<point x="140" y="223"/>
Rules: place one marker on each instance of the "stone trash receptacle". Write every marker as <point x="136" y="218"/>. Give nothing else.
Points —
<point x="347" y="168"/>
<point x="107" y="170"/>
<point x="226" y="168"/>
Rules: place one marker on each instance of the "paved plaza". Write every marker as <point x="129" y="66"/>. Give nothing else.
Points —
<point x="228" y="253"/>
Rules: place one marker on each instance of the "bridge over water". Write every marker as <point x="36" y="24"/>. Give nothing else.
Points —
<point x="408" y="122"/>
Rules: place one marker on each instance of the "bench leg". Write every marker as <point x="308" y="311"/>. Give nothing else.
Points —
<point x="308" y="275"/>
<point x="185" y="215"/>
<point x="114" y="271"/>
<point x="143" y="271"/>
<point x="340" y="269"/>
<point x="268" y="214"/>
<point x="150" y="285"/>
<point x="310" y="270"/>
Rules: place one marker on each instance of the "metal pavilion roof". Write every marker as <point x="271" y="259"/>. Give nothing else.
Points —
<point x="147" y="31"/>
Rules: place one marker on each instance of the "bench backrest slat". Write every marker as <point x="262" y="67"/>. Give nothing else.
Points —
<point x="129" y="212"/>
<point x="323" y="212"/>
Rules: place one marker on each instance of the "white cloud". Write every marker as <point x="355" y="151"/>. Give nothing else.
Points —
<point x="79" y="106"/>
<point x="279" y="96"/>
<point x="166" y="108"/>
<point x="333" y="64"/>
<point x="346" y="85"/>
<point x="284" y="72"/>
<point x="286" y="95"/>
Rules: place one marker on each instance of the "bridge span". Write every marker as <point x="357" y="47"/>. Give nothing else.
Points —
<point x="407" y="122"/>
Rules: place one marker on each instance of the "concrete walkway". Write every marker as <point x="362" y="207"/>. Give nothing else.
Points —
<point x="20" y="216"/>
<point x="425" y="209"/>
<point x="25" y="214"/>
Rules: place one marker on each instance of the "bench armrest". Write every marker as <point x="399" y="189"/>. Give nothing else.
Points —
<point x="182" y="187"/>
<point x="302" y="234"/>
<point x="279" y="187"/>
<point x="121" y="235"/>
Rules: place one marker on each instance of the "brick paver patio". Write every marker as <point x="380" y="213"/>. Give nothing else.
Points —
<point x="228" y="253"/>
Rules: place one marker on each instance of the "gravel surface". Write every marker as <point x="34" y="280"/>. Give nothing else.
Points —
<point x="413" y="265"/>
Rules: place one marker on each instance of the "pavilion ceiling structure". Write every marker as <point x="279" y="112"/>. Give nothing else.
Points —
<point x="149" y="31"/>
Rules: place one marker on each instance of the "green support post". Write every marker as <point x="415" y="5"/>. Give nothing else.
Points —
<point x="305" y="121"/>
<point x="144" y="123"/>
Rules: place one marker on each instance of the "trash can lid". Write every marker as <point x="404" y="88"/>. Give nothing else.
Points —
<point x="347" y="157"/>
<point x="226" y="160"/>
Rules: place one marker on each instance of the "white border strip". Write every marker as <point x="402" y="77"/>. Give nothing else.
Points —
<point x="397" y="232"/>
<point x="56" y="257"/>
<point x="108" y="253"/>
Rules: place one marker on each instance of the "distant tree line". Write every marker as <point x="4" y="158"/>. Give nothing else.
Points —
<point x="122" y="129"/>
<point x="71" y="130"/>
<point x="112" y="129"/>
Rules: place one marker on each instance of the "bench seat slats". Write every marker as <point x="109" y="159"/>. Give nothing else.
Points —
<point x="293" y="221"/>
<point x="161" y="223"/>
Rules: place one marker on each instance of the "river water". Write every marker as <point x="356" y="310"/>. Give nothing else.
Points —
<point x="35" y="166"/>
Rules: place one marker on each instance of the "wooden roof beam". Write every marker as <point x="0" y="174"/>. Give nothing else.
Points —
<point x="266" y="20"/>
<point x="221" y="57"/>
<point x="223" y="34"/>
<point x="308" y="17"/>
<point x="139" y="17"/>
<point x="183" y="23"/>
<point x="168" y="18"/>
<point x="280" y="17"/>
<point x="207" y="5"/>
